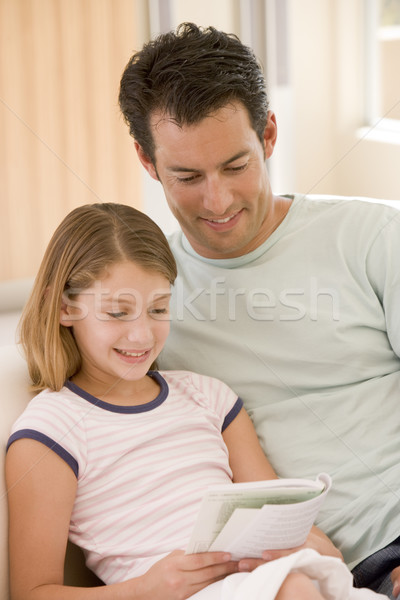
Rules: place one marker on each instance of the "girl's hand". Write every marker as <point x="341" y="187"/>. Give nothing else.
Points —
<point x="316" y="540"/>
<point x="180" y="575"/>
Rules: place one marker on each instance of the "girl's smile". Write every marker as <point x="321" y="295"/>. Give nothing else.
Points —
<point x="132" y="357"/>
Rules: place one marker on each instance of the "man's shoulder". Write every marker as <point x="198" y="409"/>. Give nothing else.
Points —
<point x="345" y="212"/>
<point x="364" y="203"/>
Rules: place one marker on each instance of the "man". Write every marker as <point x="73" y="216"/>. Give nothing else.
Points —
<point x="292" y="302"/>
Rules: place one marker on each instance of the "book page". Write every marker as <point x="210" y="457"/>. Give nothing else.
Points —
<point x="273" y="527"/>
<point x="220" y="502"/>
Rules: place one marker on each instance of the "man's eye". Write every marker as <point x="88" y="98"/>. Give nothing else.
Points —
<point x="117" y="315"/>
<point x="189" y="179"/>
<point x="239" y="168"/>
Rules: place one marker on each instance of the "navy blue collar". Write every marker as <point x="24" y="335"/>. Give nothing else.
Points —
<point x="162" y="396"/>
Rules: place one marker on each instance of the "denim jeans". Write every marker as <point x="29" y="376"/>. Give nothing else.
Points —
<point x="374" y="571"/>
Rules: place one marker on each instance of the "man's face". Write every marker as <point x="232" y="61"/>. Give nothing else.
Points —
<point x="215" y="179"/>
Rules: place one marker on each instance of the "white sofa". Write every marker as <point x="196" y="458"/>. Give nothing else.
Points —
<point x="14" y="382"/>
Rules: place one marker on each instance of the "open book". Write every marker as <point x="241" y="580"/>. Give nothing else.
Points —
<point x="247" y="518"/>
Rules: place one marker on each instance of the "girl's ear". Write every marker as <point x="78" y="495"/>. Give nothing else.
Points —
<point x="65" y="313"/>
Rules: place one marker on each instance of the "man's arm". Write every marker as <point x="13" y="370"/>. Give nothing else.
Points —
<point x="249" y="463"/>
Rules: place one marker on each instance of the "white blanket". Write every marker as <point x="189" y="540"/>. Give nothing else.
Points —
<point x="331" y="576"/>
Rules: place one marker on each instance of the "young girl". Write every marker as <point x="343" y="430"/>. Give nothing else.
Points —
<point x="115" y="455"/>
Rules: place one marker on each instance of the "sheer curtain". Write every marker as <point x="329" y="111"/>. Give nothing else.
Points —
<point x="63" y="141"/>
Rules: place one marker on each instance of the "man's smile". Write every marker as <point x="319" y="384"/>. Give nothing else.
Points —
<point x="223" y="223"/>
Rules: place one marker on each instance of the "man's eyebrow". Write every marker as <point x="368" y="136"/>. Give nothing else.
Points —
<point x="236" y="157"/>
<point x="179" y="169"/>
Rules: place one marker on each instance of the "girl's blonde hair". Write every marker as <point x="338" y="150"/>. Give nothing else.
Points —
<point x="89" y="239"/>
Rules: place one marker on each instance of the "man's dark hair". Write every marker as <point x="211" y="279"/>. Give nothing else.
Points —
<point x="188" y="75"/>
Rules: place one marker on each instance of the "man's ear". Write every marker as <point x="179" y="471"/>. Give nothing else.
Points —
<point x="146" y="162"/>
<point x="270" y="134"/>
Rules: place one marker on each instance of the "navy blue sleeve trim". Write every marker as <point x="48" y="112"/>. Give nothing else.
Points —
<point x="32" y="434"/>
<point x="233" y="413"/>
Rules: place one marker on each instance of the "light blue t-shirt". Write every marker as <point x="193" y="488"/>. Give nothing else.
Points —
<point x="306" y="330"/>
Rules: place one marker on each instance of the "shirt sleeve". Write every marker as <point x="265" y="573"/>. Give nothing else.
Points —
<point x="233" y="413"/>
<point x="51" y="420"/>
<point x="219" y="397"/>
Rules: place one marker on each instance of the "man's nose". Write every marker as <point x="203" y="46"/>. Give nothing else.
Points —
<point x="217" y="197"/>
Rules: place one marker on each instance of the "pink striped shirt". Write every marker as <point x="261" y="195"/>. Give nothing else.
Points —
<point x="141" y="470"/>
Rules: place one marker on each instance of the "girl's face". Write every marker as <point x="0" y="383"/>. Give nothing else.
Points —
<point x="120" y="325"/>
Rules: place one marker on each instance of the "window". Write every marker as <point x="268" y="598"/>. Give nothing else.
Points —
<point x="383" y="64"/>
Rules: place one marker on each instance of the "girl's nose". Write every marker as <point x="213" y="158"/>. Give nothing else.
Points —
<point x="139" y="330"/>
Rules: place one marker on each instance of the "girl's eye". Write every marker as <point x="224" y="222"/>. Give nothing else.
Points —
<point x="118" y="315"/>
<point x="159" y="311"/>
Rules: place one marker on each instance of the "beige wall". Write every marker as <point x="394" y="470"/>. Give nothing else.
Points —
<point x="63" y="142"/>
